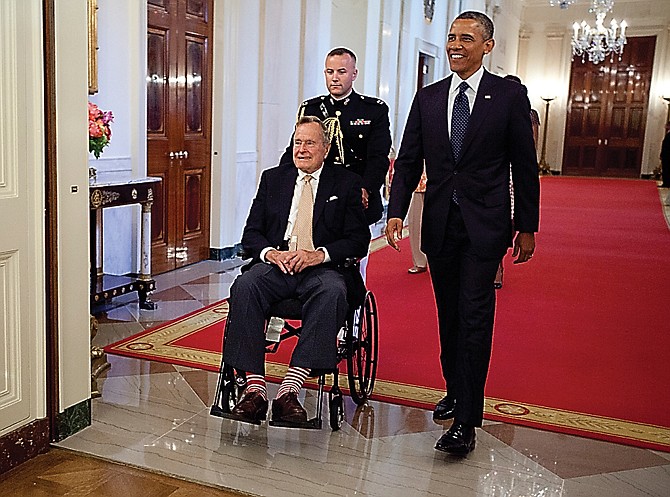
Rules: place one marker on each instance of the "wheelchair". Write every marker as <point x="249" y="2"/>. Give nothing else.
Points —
<point x="358" y="347"/>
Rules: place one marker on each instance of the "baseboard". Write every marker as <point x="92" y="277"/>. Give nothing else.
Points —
<point x="74" y="419"/>
<point x="23" y="443"/>
<point x="222" y="254"/>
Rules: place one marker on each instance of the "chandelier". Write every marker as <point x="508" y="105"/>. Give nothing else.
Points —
<point x="564" y="4"/>
<point x="598" y="42"/>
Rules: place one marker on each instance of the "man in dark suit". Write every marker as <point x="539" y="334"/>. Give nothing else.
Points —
<point x="468" y="137"/>
<point x="358" y="126"/>
<point x="304" y="222"/>
<point x="665" y="158"/>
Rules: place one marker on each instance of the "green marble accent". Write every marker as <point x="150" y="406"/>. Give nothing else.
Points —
<point x="74" y="419"/>
<point x="222" y="254"/>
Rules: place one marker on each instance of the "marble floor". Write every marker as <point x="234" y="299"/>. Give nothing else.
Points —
<point x="156" y="417"/>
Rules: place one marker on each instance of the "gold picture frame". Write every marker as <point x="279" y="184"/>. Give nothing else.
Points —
<point x="92" y="47"/>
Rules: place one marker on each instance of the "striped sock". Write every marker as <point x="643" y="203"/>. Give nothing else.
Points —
<point x="256" y="383"/>
<point x="293" y="380"/>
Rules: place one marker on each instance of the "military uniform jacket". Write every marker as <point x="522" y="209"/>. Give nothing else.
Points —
<point x="365" y="144"/>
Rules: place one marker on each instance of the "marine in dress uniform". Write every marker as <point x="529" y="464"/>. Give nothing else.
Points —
<point x="361" y="140"/>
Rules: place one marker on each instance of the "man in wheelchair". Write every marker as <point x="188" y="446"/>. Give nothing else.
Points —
<point x="306" y="220"/>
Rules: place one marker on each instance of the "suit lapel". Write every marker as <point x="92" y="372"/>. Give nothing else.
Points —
<point x="323" y="193"/>
<point x="287" y="186"/>
<point x="443" y="111"/>
<point x="484" y="102"/>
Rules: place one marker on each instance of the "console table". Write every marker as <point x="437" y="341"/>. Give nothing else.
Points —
<point x="114" y="194"/>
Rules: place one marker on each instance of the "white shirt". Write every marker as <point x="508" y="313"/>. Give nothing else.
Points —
<point x="473" y="81"/>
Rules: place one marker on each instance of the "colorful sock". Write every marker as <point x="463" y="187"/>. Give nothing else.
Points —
<point x="256" y="383"/>
<point x="293" y="380"/>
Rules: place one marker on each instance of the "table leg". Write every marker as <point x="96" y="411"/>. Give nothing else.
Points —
<point x="145" y="257"/>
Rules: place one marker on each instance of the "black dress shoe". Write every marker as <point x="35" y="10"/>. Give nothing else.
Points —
<point x="444" y="409"/>
<point x="459" y="440"/>
<point x="252" y="408"/>
<point x="287" y="409"/>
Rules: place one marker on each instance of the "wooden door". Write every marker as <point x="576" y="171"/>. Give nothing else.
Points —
<point x="179" y="46"/>
<point x="607" y="112"/>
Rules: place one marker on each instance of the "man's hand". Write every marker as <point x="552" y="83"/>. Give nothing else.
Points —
<point x="366" y="196"/>
<point x="394" y="232"/>
<point x="295" y="261"/>
<point x="524" y="246"/>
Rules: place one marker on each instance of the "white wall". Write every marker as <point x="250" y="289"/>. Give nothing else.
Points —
<point x="121" y="89"/>
<point x="72" y="156"/>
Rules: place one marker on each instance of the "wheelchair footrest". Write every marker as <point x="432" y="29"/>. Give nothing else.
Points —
<point x="230" y="415"/>
<point x="217" y="411"/>
<point x="313" y="424"/>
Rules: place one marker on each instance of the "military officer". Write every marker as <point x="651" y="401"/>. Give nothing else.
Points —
<point x="358" y="126"/>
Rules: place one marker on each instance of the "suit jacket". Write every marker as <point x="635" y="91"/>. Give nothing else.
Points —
<point x="366" y="139"/>
<point x="499" y="134"/>
<point x="339" y="223"/>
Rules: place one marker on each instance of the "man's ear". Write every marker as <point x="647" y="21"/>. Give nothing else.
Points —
<point x="488" y="46"/>
<point x="355" y="74"/>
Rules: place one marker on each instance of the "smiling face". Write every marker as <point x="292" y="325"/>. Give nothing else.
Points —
<point x="309" y="148"/>
<point x="466" y="47"/>
<point x="340" y="74"/>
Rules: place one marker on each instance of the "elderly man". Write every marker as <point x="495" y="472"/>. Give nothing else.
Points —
<point x="305" y="221"/>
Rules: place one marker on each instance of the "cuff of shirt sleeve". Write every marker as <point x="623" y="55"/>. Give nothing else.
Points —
<point x="264" y="253"/>
<point x="325" y="253"/>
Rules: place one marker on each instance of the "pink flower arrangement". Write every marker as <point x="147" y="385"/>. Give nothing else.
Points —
<point x="99" y="129"/>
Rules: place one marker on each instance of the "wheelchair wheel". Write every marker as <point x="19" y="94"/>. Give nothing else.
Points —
<point x="336" y="411"/>
<point x="362" y="344"/>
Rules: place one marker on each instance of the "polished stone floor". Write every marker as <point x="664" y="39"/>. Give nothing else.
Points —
<point x="156" y="416"/>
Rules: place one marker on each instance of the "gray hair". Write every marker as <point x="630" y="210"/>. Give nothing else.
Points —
<point x="314" y="119"/>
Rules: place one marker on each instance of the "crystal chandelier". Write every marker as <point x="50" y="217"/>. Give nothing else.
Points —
<point x="598" y="42"/>
<point x="564" y="4"/>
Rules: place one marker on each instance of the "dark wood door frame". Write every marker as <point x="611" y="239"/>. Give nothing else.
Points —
<point x="51" y="221"/>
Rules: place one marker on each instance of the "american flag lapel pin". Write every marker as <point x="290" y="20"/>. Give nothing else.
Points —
<point x="487" y="97"/>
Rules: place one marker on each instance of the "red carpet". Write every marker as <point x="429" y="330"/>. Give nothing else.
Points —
<point x="582" y="333"/>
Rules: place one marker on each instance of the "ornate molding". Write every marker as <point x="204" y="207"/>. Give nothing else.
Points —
<point x="428" y="10"/>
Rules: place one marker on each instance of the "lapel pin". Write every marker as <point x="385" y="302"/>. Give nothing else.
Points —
<point x="487" y="97"/>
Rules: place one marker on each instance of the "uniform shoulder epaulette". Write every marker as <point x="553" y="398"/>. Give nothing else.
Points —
<point x="372" y="100"/>
<point x="313" y="100"/>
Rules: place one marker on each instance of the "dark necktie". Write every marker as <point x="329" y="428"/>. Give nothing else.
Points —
<point x="460" y="116"/>
<point x="459" y="120"/>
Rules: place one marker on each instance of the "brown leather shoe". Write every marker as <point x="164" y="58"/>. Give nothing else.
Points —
<point x="287" y="408"/>
<point x="252" y="408"/>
